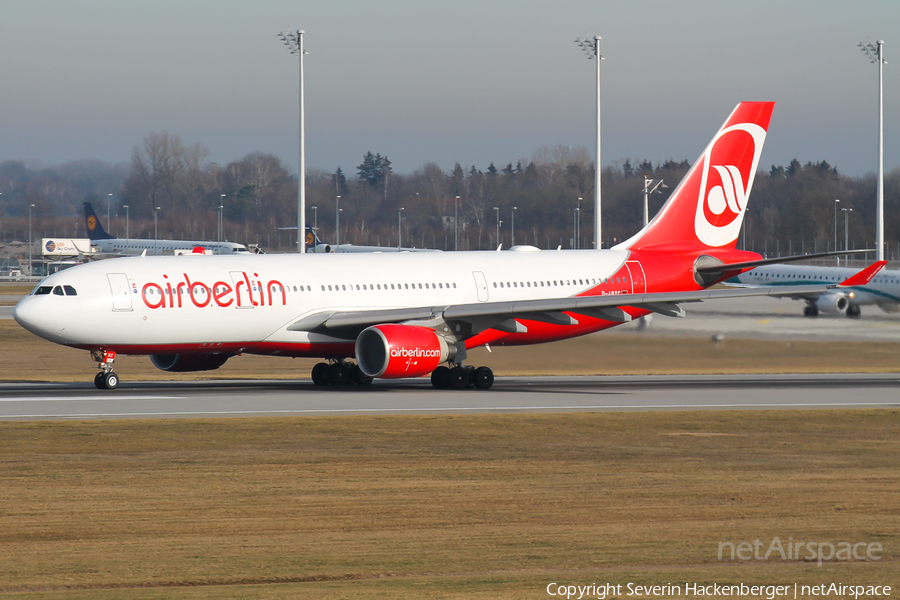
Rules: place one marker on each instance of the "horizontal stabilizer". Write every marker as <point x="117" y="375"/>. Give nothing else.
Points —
<point x="751" y="264"/>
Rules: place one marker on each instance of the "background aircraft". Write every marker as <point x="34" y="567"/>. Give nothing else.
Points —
<point x="108" y="244"/>
<point x="316" y="246"/>
<point x="411" y="314"/>
<point x="882" y="291"/>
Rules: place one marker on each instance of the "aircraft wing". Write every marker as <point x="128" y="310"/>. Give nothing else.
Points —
<point x="561" y="311"/>
<point x="480" y="316"/>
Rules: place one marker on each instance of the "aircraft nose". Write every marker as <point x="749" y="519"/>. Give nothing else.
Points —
<point x="29" y="315"/>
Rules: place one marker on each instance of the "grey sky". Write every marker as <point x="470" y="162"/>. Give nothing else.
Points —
<point x="463" y="81"/>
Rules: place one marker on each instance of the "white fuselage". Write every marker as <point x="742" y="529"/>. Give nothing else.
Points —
<point x="192" y="302"/>
<point x="162" y="247"/>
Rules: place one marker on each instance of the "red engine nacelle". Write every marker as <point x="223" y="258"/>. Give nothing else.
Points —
<point x="185" y="363"/>
<point x="393" y="351"/>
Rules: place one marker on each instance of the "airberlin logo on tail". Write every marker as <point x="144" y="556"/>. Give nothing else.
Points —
<point x="729" y="166"/>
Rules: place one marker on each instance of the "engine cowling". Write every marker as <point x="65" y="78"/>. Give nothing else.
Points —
<point x="183" y="363"/>
<point x="393" y="351"/>
<point x="833" y="303"/>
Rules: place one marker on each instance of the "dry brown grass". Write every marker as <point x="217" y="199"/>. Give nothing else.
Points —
<point x="491" y="506"/>
<point x="29" y="358"/>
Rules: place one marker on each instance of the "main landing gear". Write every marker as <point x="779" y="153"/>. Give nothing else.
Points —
<point x="339" y="373"/>
<point x="106" y="379"/>
<point x="460" y="377"/>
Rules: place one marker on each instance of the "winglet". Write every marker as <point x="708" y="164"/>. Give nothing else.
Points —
<point x="864" y="276"/>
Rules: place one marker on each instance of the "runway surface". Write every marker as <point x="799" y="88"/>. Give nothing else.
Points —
<point x="509" y="395"/>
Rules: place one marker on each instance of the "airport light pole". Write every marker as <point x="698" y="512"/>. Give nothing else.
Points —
<point x="337" y="224"/>
<point x="156" y="231"/>
<point x="837" y="259"/>
<point x="456" y="224"/>
<point x="125" y="206"/>
<point x="876" y="55"/>
<point x="513" y="240"/>
<point x="315" y="210"/>
<point x="108" y="202"/>
<point x="647" y="191"/>
<point x="592" y="49"/>
<point x="294" y="41"/>
<point x="400" y="227"/>
<point x="221" y="232"/>
<point x="30" y="249"/>
<point x="846" y="211"/>
<point x="497" y="214"/>
<point x="576" y="218"/>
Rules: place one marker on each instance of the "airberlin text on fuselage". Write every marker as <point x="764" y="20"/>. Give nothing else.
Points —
<point x="245" y="292"/>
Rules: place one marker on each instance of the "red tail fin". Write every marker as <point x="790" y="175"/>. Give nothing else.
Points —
<point x="707" y="208"/>
<point x="864" y="276"/>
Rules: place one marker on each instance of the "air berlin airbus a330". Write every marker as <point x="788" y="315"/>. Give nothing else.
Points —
<point x="411" y="314"/>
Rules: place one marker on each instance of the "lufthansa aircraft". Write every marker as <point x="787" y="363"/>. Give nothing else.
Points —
<point x="107" y="244"/>
<point x="882" y="291"/>
<point x="413" y="314"/>
<point x="315" y="245"/>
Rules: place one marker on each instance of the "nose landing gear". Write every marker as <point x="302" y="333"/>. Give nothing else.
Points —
<point x="106" y="379"/>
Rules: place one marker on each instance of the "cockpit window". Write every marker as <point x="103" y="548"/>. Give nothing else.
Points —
<point x="70" y="291"/>
<point x="58" y="291"/>
<point x="43" y="290"/>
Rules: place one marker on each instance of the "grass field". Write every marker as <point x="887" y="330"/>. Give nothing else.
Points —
<point x="492" y="506"/>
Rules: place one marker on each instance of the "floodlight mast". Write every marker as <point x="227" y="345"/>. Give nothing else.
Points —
<point x="876" y="55"/>
<point x="592" y="49"/>
<point x="294" y="42"/>
<point x="649" y="188"/>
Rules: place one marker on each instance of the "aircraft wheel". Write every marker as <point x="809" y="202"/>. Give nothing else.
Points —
<point x="110" y="381"/>
<point x="98" y="381"/>
<point x="810" y="311"/>
<point x="319" y="374"/>
<point x="337" y="374"/>
<point x="484" y="378"/>
<point x="440" y="378"/>
<point x="853" y="311"/>
<point x="459" y="378"/>
<point x="358" y="377"/>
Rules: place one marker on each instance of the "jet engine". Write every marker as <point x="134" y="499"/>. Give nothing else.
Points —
<point x="392" y="351"/>
<point x="833" y="303"/>
<point x="182" y="363"/>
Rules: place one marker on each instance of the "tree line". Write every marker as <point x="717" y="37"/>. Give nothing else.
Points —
<point x="790" y="205"/>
